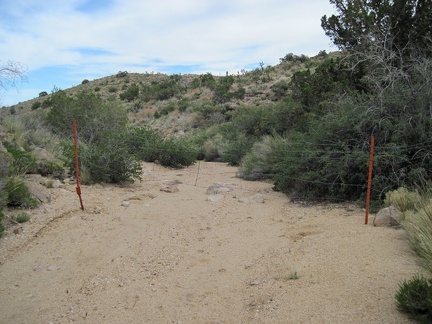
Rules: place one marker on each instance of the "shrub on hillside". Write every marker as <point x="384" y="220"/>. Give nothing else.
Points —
<point x="94" y="117"/>
<point x="17" y="194"/>
<point x="36" y="105"/>
<point x="22" y="161"/>
<point x="131" y="93"/>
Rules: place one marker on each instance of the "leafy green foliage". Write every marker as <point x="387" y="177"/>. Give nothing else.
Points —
<point x="290" y="57"/>
<point x="415" y="298"/>
<point x="22" y="217"/>
<point x="357" y="24"/>
<point x="235" y="150"/>
<point x="330" y="79"/>
<point x="204" y="80"/>
<point x="131" y="93"/>
<point x="94" y="116"/>
<point x="149" y="146"/>
<point x="109" y="161"/>
<point x="23" y="161"/>
<point x="18" y="194"/>
<point x="36" y="105"/>
<point x="162" y="90"/>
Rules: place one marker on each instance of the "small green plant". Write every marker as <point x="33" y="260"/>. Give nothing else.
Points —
<point x="36" y="105"/>
<point x="294" y="275"/>
<point x="122" y="74"/>
<point x="22" y="218"/>
<point x="50" y="183"/>
<point x="97" y="89"/>
<point x="415" y="298"/>
<point x="131" y="93"/>
<point x="85" y="81"/>
<point x="17" y="194"/>
<point x="402" y="199"/>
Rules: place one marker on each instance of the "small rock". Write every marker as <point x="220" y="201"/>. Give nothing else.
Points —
<point x="170" y="189"/>
<point x="219" y="188"/>
<point x="214" y="198"/>
<point x="260" y="198"/>
<point x="125" y="203"/>
<point x="39" y="269"/>
<point x="387" y="217"/>
<point x="256" y="282"/>
<point x="53" y="268"/>
<point x="18" y="230"/>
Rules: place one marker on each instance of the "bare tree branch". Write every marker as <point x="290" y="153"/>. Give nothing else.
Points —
<point x="11" y="73"/>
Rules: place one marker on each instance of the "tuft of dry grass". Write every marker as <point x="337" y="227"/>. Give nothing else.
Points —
<point x="403" y="199"/>
<point x="418" y="225"/>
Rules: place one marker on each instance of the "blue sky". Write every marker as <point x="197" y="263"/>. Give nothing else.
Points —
<point x="64" y="42"/>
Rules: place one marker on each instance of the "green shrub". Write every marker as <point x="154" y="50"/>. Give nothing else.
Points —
<point x="415" y="298"/>
<point x="109" y="161"/>
<point x="22" y="217"/>
<point x="85" y="81"/>
<point x="49" y="168"/>
<point x="418" y="225"/>
<point x="112" y="89"/>
<point x="255" y="164"/>
<point x="18" y="194"/>
<point x="122" y="74"/>
<point x="214" y="148"/>
<point x="176" y="153"/>
<point x="36" y="105"/>
<point x="23" y="161"/>
<point x="94" y="117"/>
<point x="235" y="150"/>
<point x="131" y="93"/>
<point x="43" y="94"/>
<point x="403" y="199"/>
<point x="97" y="89"/>
<point x="149" y="146"/>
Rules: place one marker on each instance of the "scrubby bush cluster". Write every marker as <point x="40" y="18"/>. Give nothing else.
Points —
<point x="415" y="298"/>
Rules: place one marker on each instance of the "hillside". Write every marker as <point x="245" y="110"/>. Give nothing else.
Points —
<point x="184" y="95"/>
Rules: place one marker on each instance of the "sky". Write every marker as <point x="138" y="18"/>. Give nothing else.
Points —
<point x="61" y="43"/>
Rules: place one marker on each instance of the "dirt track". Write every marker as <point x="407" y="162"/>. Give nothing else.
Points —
<point x="179" y="258"/>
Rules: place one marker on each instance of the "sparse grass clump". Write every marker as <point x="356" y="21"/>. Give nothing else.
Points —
<point x="17" y="194"/>
<point x="22" y="217"/>
<point x="415" y="298"/>
<point x="418" y="225"/>
<point x="403" y="199"/>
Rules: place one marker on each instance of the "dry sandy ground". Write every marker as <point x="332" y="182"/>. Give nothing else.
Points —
<point x="180" y="258"/>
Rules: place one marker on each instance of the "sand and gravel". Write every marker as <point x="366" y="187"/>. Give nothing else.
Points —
<point x="137" y="254"/>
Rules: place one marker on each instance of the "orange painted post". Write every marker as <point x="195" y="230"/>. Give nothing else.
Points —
<point x="369" y="178"/>
<point x="78" y="188"/>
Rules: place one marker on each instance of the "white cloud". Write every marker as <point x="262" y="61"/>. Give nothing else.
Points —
<point x="219" y="35"/>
